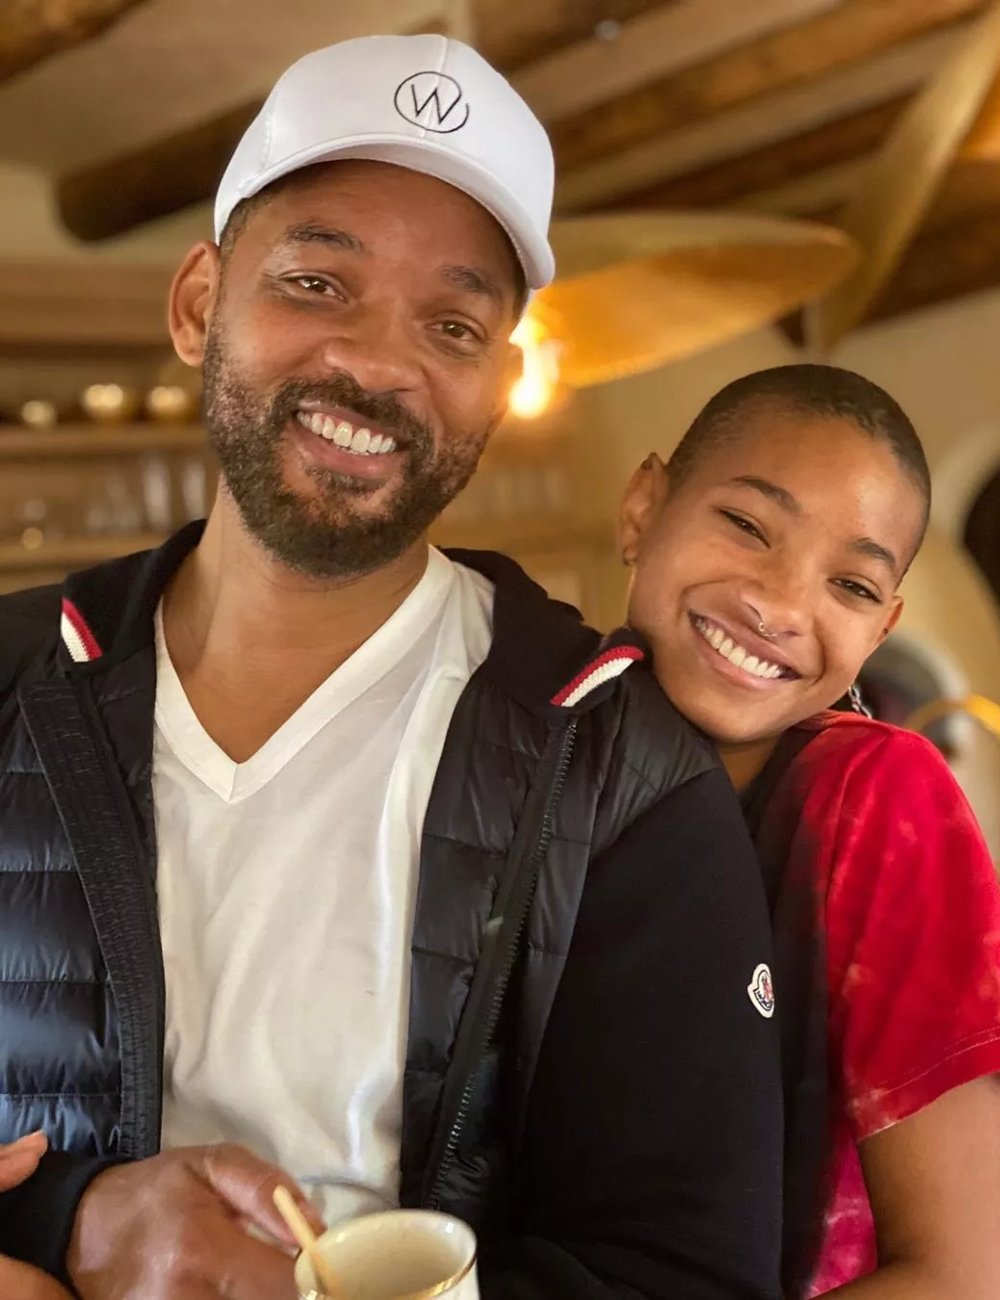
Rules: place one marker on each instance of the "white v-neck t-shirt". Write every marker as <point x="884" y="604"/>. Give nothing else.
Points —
<point x="286" y="888"/>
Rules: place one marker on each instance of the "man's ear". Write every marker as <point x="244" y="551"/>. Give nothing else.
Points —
<point x="193" y="296"/>
<point x="513" y="364"/>
<point x="645" y="493"/>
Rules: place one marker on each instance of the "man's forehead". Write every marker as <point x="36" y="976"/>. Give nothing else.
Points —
<point x="371" y="190"/>
<point x="321" y="207"/>
<point x="360" y="183"/>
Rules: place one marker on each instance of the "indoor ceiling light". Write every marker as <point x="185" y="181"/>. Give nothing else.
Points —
<point x="636" y="290"/>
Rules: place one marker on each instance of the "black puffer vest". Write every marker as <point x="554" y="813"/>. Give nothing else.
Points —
<point x="551" y="753"/>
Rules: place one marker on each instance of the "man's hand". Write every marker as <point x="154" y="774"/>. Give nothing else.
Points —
<point x="17" y="1281"/>
<point x="175" y="1228"/>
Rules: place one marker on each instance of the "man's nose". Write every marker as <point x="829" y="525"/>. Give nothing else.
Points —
<point x="377" y="348"/>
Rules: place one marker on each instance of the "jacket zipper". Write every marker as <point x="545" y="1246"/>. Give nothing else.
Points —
<point x="506" y="965"/>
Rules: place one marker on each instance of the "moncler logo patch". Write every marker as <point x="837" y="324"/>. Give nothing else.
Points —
<point x="761" y="991"/>
<point x="432" y="100"/>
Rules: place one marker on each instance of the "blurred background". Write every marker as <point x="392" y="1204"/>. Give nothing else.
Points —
<point x="740" y="184"/>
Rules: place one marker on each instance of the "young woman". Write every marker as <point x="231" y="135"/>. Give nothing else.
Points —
<point x="767" y="557"/>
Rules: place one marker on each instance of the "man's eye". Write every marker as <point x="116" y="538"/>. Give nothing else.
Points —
<point x="456" y="329"/>
<point x="312" y="283"/>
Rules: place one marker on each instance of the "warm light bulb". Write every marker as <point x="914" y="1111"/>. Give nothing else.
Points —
<point x="532" y="394"/>
<point x="528" y="332"/>
<point x="530" y="397"/>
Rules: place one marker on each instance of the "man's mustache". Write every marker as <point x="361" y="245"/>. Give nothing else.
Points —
<point x="383" y="409"/>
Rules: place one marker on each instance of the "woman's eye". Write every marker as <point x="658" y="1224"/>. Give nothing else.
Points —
<point x="743" y="524"/>
<point x="859" y="590"/>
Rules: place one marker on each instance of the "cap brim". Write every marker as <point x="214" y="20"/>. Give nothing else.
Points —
<point x="534" y="253"/>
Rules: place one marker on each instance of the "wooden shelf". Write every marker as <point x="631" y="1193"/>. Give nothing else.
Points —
<point x="19" y="443"/>
<point x="68" y="553"/>
<point x="78" y="304"/>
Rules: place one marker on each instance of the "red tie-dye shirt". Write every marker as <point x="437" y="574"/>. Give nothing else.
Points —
<point x="910" y="910"/>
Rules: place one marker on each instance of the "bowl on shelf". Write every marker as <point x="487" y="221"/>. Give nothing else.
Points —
<point x="39" y="414"/>
<point x="171" y="404"/>
<point x="109" y="403"/>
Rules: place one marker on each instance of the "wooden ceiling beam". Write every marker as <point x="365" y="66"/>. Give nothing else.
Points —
<point x="856" y="30"/>
<point x="512" y="34"/>
<point x="112" y="197"/>
<point x="827" y="190"/>
<point x="31" y="30"/>
<point x="956" y="253"/>
<point x="775" y="168"/>
<point x="653" y="45"/>
<point x="762" y="123"/>
<point x="944" y="263"/>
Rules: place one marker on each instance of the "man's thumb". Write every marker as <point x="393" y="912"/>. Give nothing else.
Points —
<point x="19" y="1160"/>
<point x="247" y="1184"/>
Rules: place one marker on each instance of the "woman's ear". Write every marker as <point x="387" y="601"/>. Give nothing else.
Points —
<point x="193" y="296"/>
<point x="892" y="618"/>
<point x="644" y="494"/>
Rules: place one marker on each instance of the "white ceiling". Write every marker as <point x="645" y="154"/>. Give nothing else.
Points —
<point x="172" y="63"/>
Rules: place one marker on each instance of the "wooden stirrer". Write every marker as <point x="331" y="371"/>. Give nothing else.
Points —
<point x="298" y="1226"/>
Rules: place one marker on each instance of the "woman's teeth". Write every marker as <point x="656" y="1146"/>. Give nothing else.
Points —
<point x="361" y="441"/>
<point x="737" y="655"/>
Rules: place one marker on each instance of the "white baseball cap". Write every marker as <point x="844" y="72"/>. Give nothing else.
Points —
<point x="424" y="102"/>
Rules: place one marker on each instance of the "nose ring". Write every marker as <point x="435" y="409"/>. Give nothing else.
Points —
<point x="767" y="635"/>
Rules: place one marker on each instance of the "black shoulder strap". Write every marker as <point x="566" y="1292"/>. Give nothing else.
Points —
<point x="758" y="795"/>
<point x="97" y="816"/>
<point x="800" y="983"/>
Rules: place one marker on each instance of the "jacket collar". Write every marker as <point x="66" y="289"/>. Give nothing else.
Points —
<point x="542" y="654"/>
<point x="107" y="611"/>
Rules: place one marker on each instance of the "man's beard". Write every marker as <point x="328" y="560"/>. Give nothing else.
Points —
<point x="327" y="536"/>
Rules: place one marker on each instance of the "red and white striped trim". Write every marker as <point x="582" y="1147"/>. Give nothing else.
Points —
<point x="77" y="636"/>
<point x="612" y="663"/>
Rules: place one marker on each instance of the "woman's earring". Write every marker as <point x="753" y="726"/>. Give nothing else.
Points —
<point x="857" y="702"/>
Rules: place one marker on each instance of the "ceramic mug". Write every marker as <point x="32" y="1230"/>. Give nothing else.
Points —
<point x="396" y="1255"/>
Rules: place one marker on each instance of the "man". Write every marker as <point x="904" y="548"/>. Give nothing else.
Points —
<point x="366" y="859"/>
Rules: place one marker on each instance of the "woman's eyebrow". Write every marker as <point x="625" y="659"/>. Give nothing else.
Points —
<point x="875" y="551"/>
<point x="779" y="495"/>
<point x="783" y="498"/>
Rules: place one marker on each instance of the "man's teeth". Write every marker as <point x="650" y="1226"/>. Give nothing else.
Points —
<point x="735" y="653"/>
<point x="361" y="441"/>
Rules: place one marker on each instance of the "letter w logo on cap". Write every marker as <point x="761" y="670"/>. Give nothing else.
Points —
<point x="432" y="100"/>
